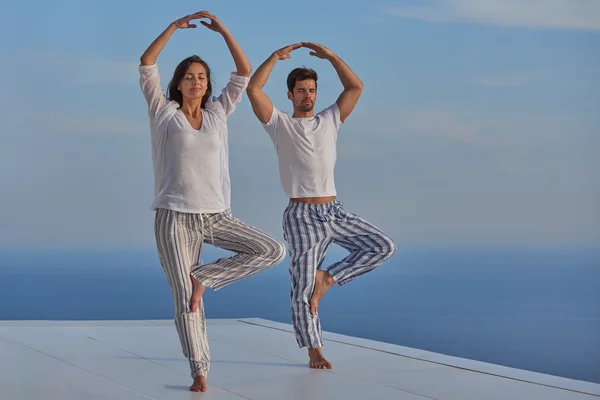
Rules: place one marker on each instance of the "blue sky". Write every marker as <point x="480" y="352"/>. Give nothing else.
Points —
<point x="479" y="122"/>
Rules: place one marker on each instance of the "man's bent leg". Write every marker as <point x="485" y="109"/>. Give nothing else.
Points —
<point x="369" y="247"/>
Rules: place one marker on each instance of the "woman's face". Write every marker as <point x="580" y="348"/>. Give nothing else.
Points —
<point x="194" y="83"/>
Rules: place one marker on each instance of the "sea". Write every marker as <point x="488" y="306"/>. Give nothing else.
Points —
<point x="535" y="308"/>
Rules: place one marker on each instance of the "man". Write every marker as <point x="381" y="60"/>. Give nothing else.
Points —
<point x="314" y="218"/>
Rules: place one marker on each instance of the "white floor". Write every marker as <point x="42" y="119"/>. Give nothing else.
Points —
<point x="251" y="359"/>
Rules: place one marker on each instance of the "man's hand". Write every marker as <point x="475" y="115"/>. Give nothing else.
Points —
<point x="284" y="52"/>
<point x="184" y="22"/>
<point x="352" y="85"/>
<point x="318" y="50"/>
<point x="261" y="104"/>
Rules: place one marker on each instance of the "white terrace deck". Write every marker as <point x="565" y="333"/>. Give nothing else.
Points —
<point x="251" y="359"/>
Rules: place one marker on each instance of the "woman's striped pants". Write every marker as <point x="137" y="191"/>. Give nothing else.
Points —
<point x="179" y="238"/>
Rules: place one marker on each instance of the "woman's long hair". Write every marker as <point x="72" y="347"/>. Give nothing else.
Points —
<point x="175" y="94"/>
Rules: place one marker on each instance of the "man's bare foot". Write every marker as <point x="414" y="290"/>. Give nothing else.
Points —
<point x="323" y="281"/>
<point x="197" y="292"/>
<point x="199" y="384"/>
<point x="317" y="361"/>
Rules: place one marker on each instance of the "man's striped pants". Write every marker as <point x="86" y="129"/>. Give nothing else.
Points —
<point x="309" y="229"/>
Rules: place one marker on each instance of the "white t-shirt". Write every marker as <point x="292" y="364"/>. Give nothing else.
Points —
<point x="306" y="150"/>
<point x="191" y="167"/>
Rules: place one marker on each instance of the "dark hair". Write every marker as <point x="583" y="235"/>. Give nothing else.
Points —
<point x="301" y="74"/>
<point x="175" y="94"/>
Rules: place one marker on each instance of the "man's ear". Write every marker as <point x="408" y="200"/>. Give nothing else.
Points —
<point x="290" y="95"/>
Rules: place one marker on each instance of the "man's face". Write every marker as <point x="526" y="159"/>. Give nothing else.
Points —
<point x="304" y="95"/>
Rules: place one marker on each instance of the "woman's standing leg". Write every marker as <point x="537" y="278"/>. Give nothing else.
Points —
<point x="179" y="241"/>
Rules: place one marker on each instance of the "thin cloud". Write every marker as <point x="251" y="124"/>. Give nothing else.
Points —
<point x="79" y="70"/>
<point x="355" y="151"/>
<point x="561" y="14"/>
<point x="440" y="122"/>
<point x="61" y="122"/>
<point x="505" y="80"/>
<point x="513" y="130"/>
<point x="94" y="124"/>
<point x="443" y="123"/>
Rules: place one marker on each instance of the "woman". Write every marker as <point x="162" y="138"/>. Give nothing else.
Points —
<point x="191" y="176"/>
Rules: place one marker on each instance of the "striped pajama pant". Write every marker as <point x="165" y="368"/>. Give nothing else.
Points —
<point x="179" y="238"/>
<point x="309" y="229"/>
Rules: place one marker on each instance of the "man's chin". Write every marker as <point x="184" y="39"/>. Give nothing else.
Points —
<point x="307" y="108"/>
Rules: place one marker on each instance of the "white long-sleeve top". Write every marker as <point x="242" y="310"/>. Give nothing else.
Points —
<point x="191" y="167"/>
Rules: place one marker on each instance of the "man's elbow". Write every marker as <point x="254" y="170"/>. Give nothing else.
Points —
<point x="354" y="87"/>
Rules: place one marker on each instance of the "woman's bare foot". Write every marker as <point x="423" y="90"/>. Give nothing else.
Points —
<point x="197" y="292"/>
<point x="317" y="361"/>
<point x="199" y="384"/>
<point x="323" y="281"/>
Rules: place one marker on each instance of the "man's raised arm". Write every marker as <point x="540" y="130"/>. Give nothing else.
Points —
<point x="261" y="104"/>
<point x="352" y="84"/>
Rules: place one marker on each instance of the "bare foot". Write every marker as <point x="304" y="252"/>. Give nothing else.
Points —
<point x="323" y="281"/>
<point x="197" y="292"/>
<point x="317" y="361"/>
<point x="199" y="384"/>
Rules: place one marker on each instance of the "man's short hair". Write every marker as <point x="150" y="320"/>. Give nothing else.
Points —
<point x="301" y="74"/>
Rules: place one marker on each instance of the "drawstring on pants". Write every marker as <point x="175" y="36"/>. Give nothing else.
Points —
<point x="212" y="237"/>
